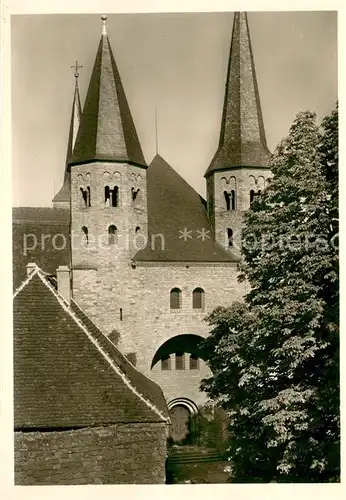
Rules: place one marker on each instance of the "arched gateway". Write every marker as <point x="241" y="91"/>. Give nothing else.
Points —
<point x="180" y="410"/>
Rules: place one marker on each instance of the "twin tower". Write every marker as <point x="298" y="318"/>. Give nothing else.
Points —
<point x="105" y="183"/>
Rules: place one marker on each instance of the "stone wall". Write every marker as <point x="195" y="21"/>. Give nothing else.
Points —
<point x="117" y="454"/>
<point x="143" y="295"/>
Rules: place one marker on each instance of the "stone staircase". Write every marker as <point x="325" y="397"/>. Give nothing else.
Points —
<point x="193" y="464"/>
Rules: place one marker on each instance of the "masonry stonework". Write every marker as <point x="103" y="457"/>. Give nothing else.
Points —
<point x="117" y="454"/>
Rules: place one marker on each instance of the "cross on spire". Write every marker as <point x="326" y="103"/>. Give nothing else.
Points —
<point x="76" y="67"/>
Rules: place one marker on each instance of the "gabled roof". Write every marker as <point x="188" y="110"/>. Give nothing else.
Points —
<point x="242" y="136"/>
<point x="41" y="235"/>
<point x="63" y="195"/>
<point x="67" y="374"/>
<point x="173" y="207"/>
<point x="107" y="131"/>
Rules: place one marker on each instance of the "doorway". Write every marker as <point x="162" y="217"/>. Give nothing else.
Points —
<point x="180" y="423"/>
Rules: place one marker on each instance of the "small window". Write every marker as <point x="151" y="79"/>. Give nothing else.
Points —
<point x="84" y="194"/>
<point x="85" y="235"/>
<point x="88" y="197"/>
<point x="227" y="200"/>
<point x="166" y="363"/>
<point x="233" y="199"/>
<point x="175" y="298"/>
<point x="252" y="196"/>
<point x="115" y="194"/>
<point x="112" y="235"/>
<point x="135" y="194"/>
<point x="137" y="230"/>
<point x="194" y="362"/>
<point x="107" y="195"/>
<point x="230" y="237"/>
<point x="198" y="298"/>
<point x="179" y="361"/>
<point x="111" y="196"/>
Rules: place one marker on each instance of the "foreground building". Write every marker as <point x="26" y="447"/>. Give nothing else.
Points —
<point x="83" y="414"/>
<point x="149" y="258"/>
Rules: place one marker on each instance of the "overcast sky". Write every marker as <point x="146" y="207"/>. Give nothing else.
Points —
<point x="173" y="62"/>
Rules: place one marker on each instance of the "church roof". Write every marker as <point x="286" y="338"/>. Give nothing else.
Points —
<point x="67" y="374"/>
<point x="107" y="131"/>
<point x="242" y="136"/>
<point x="41" y="235"/>
<point x="63" y="195"/>
<point x="175" y="209"/>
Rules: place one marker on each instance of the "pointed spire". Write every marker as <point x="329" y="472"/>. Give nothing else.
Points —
<point x="107" y="131"/>
<point x="63" y="196"/>
<point x="242" y="137"/>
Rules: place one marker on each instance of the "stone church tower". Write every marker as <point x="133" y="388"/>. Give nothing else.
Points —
<point x="240" y="167"/>
<point x="108" y="171"/>
<point x="150" y="259"/>
<point x="62" y="198"/>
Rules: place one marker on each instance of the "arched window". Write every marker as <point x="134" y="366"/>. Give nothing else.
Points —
<point x="112" y="235"/>
<point x="252" y="196"/>
<point x="137" y="230"/>
<point x="175" y="298"/>
<point x="85" y="235"/>
<point x="166" y="363"/>
<point x="115" y="193"/>
<point x="233" y="199"/>
<point x="194" y="362"/>
<point x="228" y="200"/>
<point x="111" y="196"/>
<point x="107" y="196"/>
<point x="198" y="298"/>
<point x="230" y="237"/>
<point x="135" y="194"/>
<point x="84" y="194"/>
<point x="88" y="197"/>
<point x="179" y="361"/>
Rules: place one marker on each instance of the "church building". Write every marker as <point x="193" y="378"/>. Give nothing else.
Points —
<point x="149" y="258"/>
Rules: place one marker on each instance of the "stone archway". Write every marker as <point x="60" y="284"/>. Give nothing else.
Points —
<point x="180" y="410"/>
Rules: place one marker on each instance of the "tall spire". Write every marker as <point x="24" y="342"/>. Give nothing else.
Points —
<point x="63" y="196"/>
<point x="107" y="131"/>
<point x="242" y="136"/>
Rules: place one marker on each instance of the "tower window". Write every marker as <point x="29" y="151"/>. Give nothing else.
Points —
<point x="230" y="237"/>
<point x="135" y="194"/>
<point x="198" y="298"/>
<point x="166" y="363"/>
<point x="179" y="361"/>
<point x="194" y="362"/>
<point x="85" y="196"/>
<point x="112" y="235"/>
<point x="115" y="196"/>
<point x="111" y="196"/>
<point x="175" y="298"/>
<point x="88" y="197"/>
<point x="228" y="200"/>
<point x="253" y="195"/>
<point x="233" y="199"/>
<point x="137" y="230"/>
<point x="85" y="235"/>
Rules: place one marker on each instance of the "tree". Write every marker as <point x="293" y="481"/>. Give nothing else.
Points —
<point x="275" y="357"/>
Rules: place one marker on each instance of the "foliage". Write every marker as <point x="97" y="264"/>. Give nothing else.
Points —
<point x="208" y="428"/>
<point x="275" y="357"/>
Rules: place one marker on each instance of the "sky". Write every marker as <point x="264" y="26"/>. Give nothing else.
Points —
<point x="175" y="63"/>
